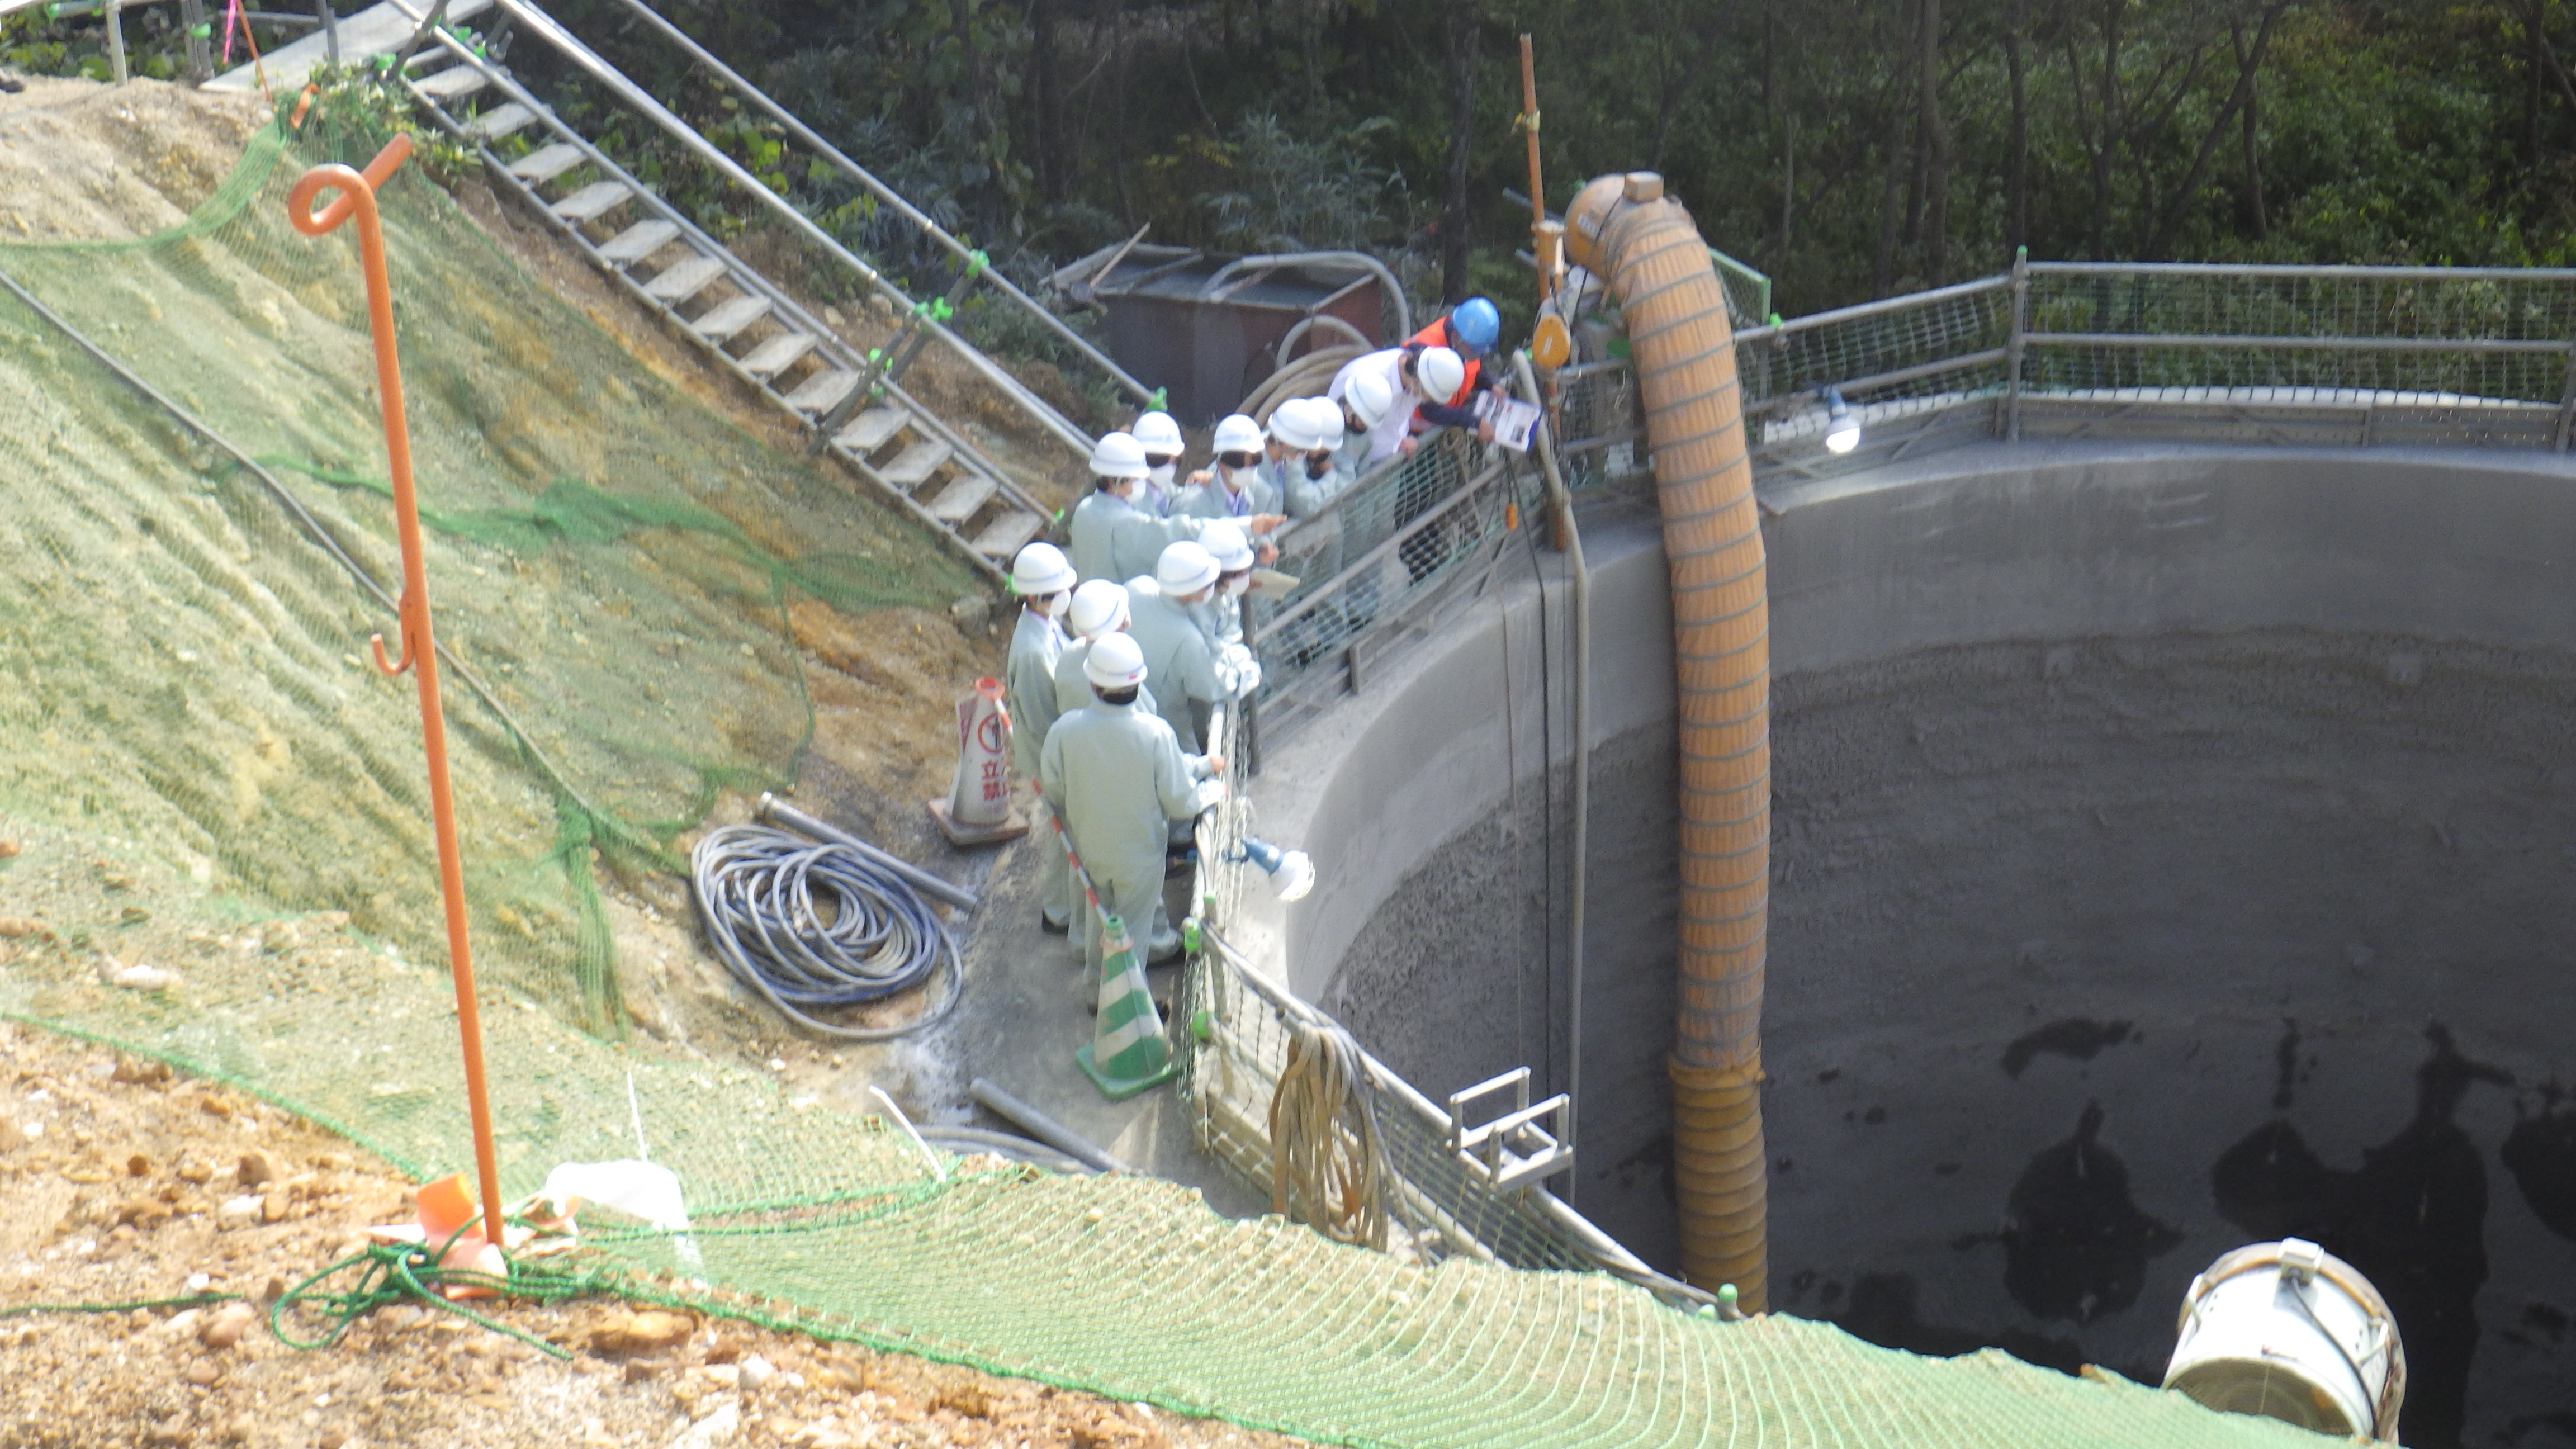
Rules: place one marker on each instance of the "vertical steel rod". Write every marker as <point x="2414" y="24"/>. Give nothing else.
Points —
<point x="357" y="196"/>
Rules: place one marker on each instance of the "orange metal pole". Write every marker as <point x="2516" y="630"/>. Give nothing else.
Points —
<point x="357" y="196"/>
<point x="1538" y="194"/>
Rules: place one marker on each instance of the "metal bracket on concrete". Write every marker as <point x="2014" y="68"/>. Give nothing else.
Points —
<point x="1512" y="1150"/>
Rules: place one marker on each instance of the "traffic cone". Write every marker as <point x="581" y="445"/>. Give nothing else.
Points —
<point x="978" y="808"/>
<point x="1128" y="1053"/>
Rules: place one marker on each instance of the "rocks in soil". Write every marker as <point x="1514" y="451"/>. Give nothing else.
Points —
<point x="226" y="1327"/>
<point x="645" y="1332"/>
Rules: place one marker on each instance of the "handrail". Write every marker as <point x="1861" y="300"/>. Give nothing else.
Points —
<point x="830" y="344"/>
<point x="889" y="196"/>
<point x="1612" y="1256"/>
<point x="1814" y="320"/>
<point x="2295" y="269"/>
<point x="552" y="32"/>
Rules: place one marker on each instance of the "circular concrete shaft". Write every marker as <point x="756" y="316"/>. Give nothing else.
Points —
<point x="2173" y="849"/>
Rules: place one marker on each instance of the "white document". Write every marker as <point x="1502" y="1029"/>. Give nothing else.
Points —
<point x="1515" y="422"/>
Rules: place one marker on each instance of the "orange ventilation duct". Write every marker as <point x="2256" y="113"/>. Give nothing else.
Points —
<point x="1624" y="230"/>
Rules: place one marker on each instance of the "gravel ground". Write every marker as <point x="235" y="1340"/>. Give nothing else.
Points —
<point x="121" y="1182"/>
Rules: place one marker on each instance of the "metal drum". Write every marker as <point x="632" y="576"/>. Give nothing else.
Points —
<point x="2288" y="1331"/>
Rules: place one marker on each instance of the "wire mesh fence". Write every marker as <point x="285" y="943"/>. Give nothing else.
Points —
<point x="1235" y="1029"/>
<point x="1383" y="550"/>
<point x="2295" y="355"/>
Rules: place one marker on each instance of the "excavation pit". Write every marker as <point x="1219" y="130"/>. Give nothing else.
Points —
<point x="2170" y="852"/>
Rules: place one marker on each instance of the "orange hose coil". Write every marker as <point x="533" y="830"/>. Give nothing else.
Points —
<point x="1646" y="247"/>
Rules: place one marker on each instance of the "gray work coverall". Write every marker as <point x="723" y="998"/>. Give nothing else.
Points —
<point x="1028" y="687"/>
<point x="1116" y="776"/>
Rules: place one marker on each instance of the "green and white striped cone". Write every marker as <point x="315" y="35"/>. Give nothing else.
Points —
<point x="1127" y="1054"/>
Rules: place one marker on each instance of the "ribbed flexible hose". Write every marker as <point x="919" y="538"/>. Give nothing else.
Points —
<point x="1624" y="230"/>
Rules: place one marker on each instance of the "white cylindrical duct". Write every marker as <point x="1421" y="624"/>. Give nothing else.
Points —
<point x="2288" y="1331"/>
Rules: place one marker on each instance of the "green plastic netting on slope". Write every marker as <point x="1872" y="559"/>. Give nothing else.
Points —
<point x="613" y="558"/>
<point x="182" y="709"/>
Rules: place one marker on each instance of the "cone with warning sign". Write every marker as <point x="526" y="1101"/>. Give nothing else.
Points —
<point x="1128" y="1053"/>
<point x="977" y="810"/>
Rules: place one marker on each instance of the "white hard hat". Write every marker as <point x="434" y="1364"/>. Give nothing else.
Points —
<point x="1118" y="455"/>
<point x="1116" y="661"/>
<point x="1238" y="434"/>
<point x="1225" y="543"/>
<point x="1041" y="568"/>
<point x="1438" y="374"/>
<point x="1099" y="607"/>
<point x="1328" y="422"/>
<point x="1159" y="434"/>
<point x="1368" y="396"/>
<point x="1292" y="426"/>
<point x="1185" y="568"/>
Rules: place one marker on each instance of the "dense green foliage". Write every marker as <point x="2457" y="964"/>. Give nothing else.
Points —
<point x="1848" y="147"/>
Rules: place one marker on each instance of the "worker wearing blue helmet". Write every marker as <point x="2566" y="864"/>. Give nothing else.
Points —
<point x="1471" y="329"/>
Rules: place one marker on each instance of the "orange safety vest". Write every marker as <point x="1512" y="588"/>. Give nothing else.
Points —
<point x="1437" y="335"/>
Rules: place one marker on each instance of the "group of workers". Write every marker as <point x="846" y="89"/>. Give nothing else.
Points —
<point x="1150" y="588"/>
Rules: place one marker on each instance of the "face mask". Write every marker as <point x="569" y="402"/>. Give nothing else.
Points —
<point x="1058" y="605"/>
<point x="1237" y="586"/>
<point x="1163" y="473"/>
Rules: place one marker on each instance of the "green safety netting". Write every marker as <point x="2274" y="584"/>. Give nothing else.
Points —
<point x="183" y="701"/>
<point x="612" y="558"/>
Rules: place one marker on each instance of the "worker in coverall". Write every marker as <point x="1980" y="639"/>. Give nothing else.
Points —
<point x="1099" y="607"/>
<point x="1112" y="537"/>
<point x="1470" y="330"/>
<point x="1043" y="578"/>
<point x="1161" y="438"/>
<point x="1414" y="378"/>
<point x="1116" y="776"/>
<point x="1190" y="678"/>
<point x="1233" y="487"/>
<point x="1222" y="615"/>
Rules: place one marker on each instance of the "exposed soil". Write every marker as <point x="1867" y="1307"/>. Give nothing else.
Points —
<point x="80" y="161"/>
<point x="121" y="1182"/>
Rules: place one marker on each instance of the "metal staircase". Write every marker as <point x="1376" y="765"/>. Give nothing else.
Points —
<point x="745" y="323"/>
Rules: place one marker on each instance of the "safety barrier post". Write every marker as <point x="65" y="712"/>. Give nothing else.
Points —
<point x="2013" y="346"/>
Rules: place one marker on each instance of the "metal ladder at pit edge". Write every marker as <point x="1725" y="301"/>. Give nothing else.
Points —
<point x="760" y="334"/>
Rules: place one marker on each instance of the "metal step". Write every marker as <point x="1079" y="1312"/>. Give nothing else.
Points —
<point x="823" y="391"/>
<point x="964" y="494"/>
<point x="593" y="201"/>
<point x="778" y="354"/>
<point x="727" y="319"/>
<point x="916" y="463"/>
<point x="684" y="279"/>
<point x="639" y="241"/>
<point x="868" y="431"/>
<point x="541" y="166"/>
<point x="1004" y="537"/>
<point x="960" y="485"/>
<point x="453" y="84"/>
<point x="502" y="121"/>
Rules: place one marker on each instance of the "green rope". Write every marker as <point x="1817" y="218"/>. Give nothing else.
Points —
<point x="190" y="1300"/>
<point x="393" y="1272"/>
<point x="976" y="262"/>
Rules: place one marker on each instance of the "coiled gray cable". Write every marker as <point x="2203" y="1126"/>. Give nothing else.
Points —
<point x="815" y="926"/>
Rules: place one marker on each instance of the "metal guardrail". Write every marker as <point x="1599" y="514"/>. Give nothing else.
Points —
<point x="2313" y="355"/>
<point x="974" y="263"/>
<point x="1458" y="1189"/>
<point x="2304" y="356"/>
<point x="534" y="21"/>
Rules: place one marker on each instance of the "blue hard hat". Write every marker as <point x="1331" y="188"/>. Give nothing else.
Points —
<point x="1475" y="325"/>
